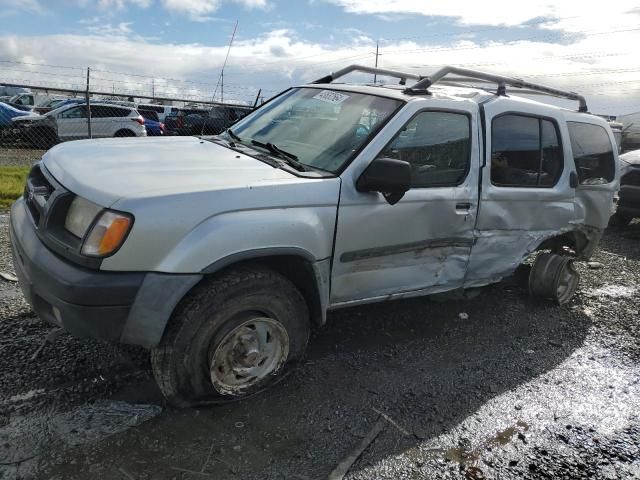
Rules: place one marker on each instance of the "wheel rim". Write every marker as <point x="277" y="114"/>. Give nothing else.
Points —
<point x="567" y="283"/>
<point x="251" y="352"/>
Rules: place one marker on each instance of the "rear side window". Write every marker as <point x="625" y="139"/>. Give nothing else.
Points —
<point x="592" y="152"/>
<point x="525" y="152"/>
<point x="104" y="111"/>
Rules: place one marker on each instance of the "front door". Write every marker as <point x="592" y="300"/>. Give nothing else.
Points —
<point x="72" y="123"/>
<point x="422" y="243"/>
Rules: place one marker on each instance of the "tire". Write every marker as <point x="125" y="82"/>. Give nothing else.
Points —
<point x="553" y="277"/>
<point x="124" y="133"/>
<point x="208" y="351"/>
<point x="620" y="220"/>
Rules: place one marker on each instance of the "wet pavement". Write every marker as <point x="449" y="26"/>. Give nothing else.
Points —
<point x="513" y="389"/>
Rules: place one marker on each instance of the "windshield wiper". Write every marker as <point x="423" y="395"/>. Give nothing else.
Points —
<point x="288" y="157"/>
<point x="233" y="135"/>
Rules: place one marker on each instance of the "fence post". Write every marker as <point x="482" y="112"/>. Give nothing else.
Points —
<point x="88" y="105"/>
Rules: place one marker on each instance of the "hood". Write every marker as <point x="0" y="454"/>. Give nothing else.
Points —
<point x="106" y="170"/>
<point x="28" y="117"/>
<point x="632" y="158"/>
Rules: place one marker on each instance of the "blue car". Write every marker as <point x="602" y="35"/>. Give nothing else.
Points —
<point x="154" y="127"/>
<point x="7" y="112"/>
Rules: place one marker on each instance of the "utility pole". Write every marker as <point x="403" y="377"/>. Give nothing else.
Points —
<point x="86" y="96"/>
<point x="153" y="88"/>
<point x="377" y="55"/>
<point x="222" y="86"/>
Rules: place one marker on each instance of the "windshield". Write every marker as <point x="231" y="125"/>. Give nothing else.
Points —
<point x="321" y="128"/>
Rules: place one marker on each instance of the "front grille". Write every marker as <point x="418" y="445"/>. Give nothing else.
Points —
<point x="37" y="192"/>
<point x="631" y="178"/>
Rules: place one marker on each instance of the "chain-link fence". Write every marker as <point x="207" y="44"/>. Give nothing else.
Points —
<point x="27" y="130"/>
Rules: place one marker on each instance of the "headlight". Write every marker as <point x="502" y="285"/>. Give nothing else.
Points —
<point x="80" y="216"/>
<point x="103" y="230"/>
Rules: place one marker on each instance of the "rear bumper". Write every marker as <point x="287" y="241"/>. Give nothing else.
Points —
<point x="129" y="307"/>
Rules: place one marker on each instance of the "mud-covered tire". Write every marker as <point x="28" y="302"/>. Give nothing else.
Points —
<point x="203" y="322"/>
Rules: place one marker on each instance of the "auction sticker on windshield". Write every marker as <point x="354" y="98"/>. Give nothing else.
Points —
<point x="331" y="97"/>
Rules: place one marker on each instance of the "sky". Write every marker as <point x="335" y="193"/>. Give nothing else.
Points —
<point x="176" y="48"/>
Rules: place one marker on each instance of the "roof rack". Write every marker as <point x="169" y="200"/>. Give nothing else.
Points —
<point x="377" y="71"/>
<point x="464" y="75"/>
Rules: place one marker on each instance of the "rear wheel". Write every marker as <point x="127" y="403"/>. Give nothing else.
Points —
<point x="234" y="336"/>
<point x="553" y="277"/>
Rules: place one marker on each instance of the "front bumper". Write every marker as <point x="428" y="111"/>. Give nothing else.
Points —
<point x="629" y="203"/>
<point x="129" y="307"/>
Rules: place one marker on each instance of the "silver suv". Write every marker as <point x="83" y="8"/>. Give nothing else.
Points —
<point x="221" y="254"/>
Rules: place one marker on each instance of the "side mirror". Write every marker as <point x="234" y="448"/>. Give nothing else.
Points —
<point x="388" y="176"/>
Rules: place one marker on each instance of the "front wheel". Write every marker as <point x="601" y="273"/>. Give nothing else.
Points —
<point x="234" y="336"/>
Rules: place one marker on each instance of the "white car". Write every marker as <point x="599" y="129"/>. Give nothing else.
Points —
<point x="70" y="123"/>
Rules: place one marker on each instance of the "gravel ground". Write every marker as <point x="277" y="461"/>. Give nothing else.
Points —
<point x="17" y="156"/>
<point x="513" y="389"/>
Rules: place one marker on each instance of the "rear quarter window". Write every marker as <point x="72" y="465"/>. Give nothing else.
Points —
<point x="592" y="153"/>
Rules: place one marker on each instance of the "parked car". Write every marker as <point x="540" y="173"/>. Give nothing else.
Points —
<point x="212" y="122"/>
<point x="56" y="102"/>
<point x="153" y="126"/>
<point x="629" y="195"/>
<point x="219" y="255"/>
<point x="29" y="99"/>
<point x="161" y="110"/>
<point x="174" y="122"/>
<point x="7" y="112"/>
<point x="6" y="91"/>
<point x="70" y="123"/>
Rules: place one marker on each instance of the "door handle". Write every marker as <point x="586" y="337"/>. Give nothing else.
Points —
<point x="464" y="206"/>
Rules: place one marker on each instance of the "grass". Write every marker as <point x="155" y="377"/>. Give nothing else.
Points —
<point x="11" y="184"/>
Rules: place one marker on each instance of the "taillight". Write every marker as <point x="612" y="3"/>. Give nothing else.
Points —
<point x="162" y="127"/>
<point x="139" y="119"/>
<point x="180" y="121"/>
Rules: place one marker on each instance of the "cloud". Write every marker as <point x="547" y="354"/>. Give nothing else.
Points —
<point x="201" y="10"/>
<point x="602" y="65"/>
<point x="497" y="12"/>
<point x="107" y="29"/>
<point x="15" y="7"/>
<point x="121" y="4"/>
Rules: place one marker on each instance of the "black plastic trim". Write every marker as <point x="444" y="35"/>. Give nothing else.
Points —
<point x="404" y="248"/>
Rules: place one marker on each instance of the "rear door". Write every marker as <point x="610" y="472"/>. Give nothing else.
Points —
<point x="595" y="156"/>
<point x="525" y="187"/>
<point x="422" y="243"/>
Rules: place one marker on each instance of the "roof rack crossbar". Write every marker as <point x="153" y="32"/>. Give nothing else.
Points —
<point x="377" y="71"/>
<point x="502" y="81"/>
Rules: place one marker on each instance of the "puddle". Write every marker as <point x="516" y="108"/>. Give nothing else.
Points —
<point x="466" y="455"/>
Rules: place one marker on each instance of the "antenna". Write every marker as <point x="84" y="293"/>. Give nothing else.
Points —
<point x="221" y="77"/>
